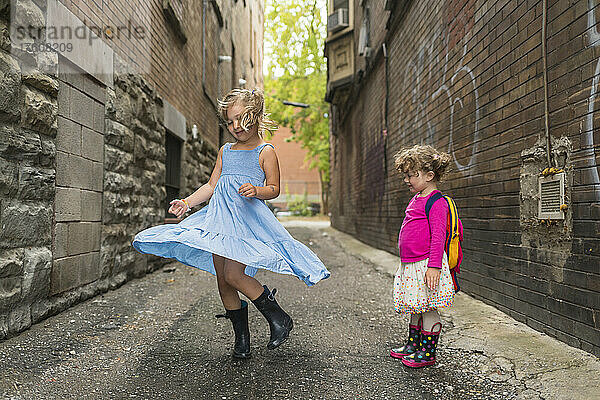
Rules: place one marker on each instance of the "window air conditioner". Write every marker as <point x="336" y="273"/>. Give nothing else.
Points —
<point x="338" y="20"/>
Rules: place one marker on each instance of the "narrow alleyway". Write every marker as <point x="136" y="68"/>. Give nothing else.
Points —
<point x="157" y="338"/>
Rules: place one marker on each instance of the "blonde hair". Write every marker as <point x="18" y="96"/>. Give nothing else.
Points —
<point x="253" y="102"/>
<point x="422" y="158"/>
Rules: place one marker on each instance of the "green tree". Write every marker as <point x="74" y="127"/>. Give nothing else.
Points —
<point x="295" y="34"/>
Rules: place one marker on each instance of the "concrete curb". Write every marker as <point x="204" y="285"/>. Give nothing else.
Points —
<point x="540" y="366"/>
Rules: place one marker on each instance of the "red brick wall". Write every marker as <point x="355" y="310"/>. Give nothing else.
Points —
<point x="467" y="77"/>
<point x="295" y="174"/>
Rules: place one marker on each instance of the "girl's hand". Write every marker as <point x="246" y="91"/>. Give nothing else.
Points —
<point x="248" y="190"/>
<point x="432" y="277"/>
<point x="178" y="207"/>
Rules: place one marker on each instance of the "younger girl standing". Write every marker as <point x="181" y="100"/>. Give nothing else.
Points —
<point x="423" y="282"/>
<point x="236" y="233"/>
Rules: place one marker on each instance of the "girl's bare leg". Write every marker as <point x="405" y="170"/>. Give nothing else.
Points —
<point x="431" y="320"/>
<point x="229" y="294"/>
<point x="414" y="318"/>
<point x="236" y="278"/>
<point x="233" y="310"/>
<point x="280" y="323"/>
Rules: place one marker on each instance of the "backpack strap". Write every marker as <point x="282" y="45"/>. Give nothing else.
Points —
<point x="435" y="197"/>
<point x="430" y="201"/>
<point x="452" y="211"/>
<point x="453" y="215"/>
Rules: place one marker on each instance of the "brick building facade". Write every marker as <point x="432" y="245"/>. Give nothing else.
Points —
<point x="297" y="180"/>
<point x="107" y="111"/>
<point x="469" y="77"/>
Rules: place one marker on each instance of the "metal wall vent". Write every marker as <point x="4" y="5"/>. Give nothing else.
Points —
<point x="552" y="196"/>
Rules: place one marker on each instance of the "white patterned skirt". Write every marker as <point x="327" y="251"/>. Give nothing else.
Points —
<point x="412" y="296"/>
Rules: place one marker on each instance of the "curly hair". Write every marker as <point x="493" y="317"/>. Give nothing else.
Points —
<point x="253" y="102"/>
<point x="422" y="158"/>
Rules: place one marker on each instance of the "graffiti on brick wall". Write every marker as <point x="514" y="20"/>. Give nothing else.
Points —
<point x="588" y="151"/>
<point x="442" y="93"/>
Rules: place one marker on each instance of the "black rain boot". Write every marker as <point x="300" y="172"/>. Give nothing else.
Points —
<point x="425" y="355"/>
<point x="279" y="321"/>
<point x="412" y="344"/>
<point x="239" y="320"/>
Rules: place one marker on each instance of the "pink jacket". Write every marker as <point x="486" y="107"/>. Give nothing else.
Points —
<point x="415" y="240"/>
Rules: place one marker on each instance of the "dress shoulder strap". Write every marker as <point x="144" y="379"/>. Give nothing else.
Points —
<point x="262" y="146"/>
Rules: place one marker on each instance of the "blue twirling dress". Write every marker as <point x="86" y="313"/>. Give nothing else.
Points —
<point x="235" y="227"/>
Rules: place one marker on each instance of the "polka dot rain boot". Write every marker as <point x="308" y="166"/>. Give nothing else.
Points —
<point x="425" y="355"/>
<point x="412" y="344"/>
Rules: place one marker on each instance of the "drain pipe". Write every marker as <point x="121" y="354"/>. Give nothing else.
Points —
<point x="387" y="100"/>
<point x="203" y="41"/>
<point x="545" y="67"/>
<point x="210" y="99"/>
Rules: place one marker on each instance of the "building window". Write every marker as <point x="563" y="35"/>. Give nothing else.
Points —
<point x="173" y="170"/>
<point x="339" y="18"/>
<point x="174" y="11"/>
<point x="337" y="4"/>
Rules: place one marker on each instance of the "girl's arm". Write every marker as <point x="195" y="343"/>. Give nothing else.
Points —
<point x="205" y="191"/>
<point x="180" y="207"/>
<point x="437" y="224"/>
<point x="270" y="165"/>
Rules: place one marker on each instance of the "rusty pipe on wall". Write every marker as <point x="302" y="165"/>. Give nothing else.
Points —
<point x="545" y="74"/>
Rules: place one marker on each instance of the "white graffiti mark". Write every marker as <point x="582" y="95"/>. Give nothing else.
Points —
<point x="459" y="100"/>
<point x="428" y="55"/>
<point x="588" y="152"/>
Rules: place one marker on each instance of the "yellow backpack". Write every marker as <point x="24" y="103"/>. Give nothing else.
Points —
<point x="454" y="235"/>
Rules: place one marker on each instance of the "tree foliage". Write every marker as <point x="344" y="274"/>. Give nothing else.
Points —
<point x="295" y="32"/>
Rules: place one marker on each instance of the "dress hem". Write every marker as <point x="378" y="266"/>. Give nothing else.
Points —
<point x="138" y="245"/>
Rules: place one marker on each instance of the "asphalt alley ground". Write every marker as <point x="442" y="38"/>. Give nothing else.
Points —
<point x="158" y="338"/>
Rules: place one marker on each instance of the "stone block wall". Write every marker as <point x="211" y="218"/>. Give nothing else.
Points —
<point x="134" y="174"/>
<point x="83" y="155"/>
<point x="467" y="77"/>
<point x="198" y="164"/>
<point x="28" y="128"/>
<point x="79" y="178"/>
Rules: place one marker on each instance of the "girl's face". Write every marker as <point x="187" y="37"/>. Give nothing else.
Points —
<point x="234" y="113"/>
<point x="418" y="181"/>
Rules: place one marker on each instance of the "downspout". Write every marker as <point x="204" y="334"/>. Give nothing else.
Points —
<point x="386" y="110"/>
<point x="545" y="67"/>
<point x="210" y="99"/>
<point x="203" y="41"/>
